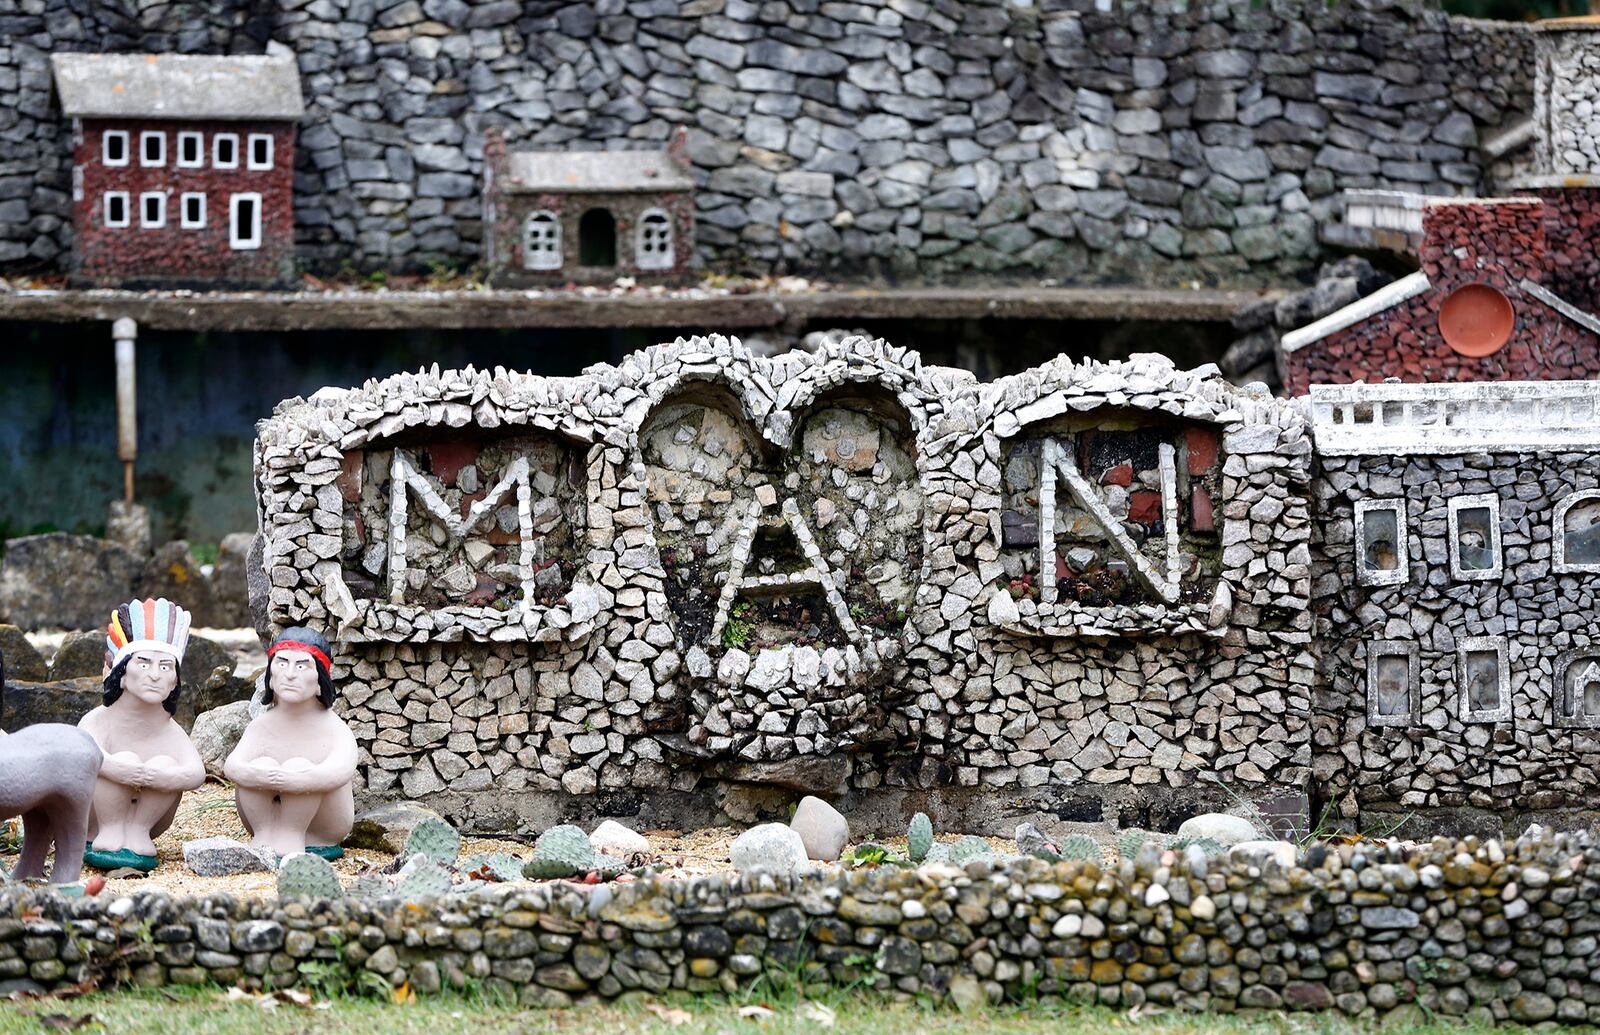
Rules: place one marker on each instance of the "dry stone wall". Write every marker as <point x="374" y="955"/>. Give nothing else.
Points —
<point x="1489" y="932"/>
<point x="664" y="585"/>
<point x="934" y="139"/>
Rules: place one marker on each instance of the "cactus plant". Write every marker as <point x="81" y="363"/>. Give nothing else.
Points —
<point x="562" y="851"/>
<point x="939" y="853"/>
<point x="968" y="848"/>
<point x="1205" y="844"/>
<point x="919" y="838"/>
<point x="496" y="866"/>
<point x="369" y="887"/>
<point x="426" y="881"/>
<point x="1129" y="843"/>
<point x="436" y="839"/>
<point x="609" y="867"/>
<point x="308" y="876"/>
<point x="1081" y="848"/>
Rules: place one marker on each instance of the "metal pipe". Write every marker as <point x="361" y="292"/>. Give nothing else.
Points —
<point x="125" y="331"/>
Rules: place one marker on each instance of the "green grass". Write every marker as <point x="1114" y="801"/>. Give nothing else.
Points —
<point x="210" y="1012"/>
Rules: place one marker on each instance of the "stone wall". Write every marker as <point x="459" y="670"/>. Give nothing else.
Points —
<point x="1454" y="659"/>
<point x="694" y="582"/>
<point x="929" y="139"/>
<point x="1486" y="932"/>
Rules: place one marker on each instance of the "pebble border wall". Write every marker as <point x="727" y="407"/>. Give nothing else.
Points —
<point x="1488" y="932"/>
<point x="917" y="138"/>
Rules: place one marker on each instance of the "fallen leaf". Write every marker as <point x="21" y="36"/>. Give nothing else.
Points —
<point x="823" y="1015"/>
<point x="61" y="1020"/>
<point x="671" y="1014"/>
<point x="755" y="1012"/>
<point x="405" y="994"/>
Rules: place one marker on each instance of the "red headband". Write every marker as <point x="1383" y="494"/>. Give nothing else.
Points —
<point x="297" y="645"/>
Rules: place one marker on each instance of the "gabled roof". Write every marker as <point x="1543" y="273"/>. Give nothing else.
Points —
<point x="178" y="86"/>
<point x="1391" y="295"/>
<point x="594" y="172"/>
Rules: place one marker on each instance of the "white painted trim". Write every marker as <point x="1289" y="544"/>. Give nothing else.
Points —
<point x="216" y="146"/>
<point x="1473" y="417"/>
<point x="160" y="198"/>
<point x="1488" y="501"/>
<point x="1563" y="714"/>
<point x="1360" y="309"/>
<point x="1401" y="572"/>
<point x="250" y="151"/>
<point x="1558" y="531"/>
<point x="199" y="139"/>
<point x="105" y="151"/>
<point x="127" y="208"/>
<point x="144" y="138"/>
<point x="543" y="258"/>
<point x="235" y="241"/>
<point x="1555" y="180"/>
<point x="1386" y="297"/>
<point x="183" y="210"/>
<point x="668" y="256"/>
<point x="1560" y="305"/>
<point x="1388" y="649"/>
<point x="1483" y="645"/>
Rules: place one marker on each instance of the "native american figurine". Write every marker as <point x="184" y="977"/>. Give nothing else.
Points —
<point x="149" y="760"/>
<point x="295" y="767"/>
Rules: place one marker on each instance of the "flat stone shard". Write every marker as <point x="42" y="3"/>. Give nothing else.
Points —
<point x="822" y="828"/>
<point x="224" y="857"/>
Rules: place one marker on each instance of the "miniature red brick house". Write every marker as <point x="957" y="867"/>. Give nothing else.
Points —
<point x="183" y="167"/>
<point x="587" y="216"/>
<point x="1479" y="309"/>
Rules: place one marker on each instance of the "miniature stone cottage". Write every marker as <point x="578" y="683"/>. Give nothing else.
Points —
<point x="183" y="167"/>
<point x="587" y="216"/>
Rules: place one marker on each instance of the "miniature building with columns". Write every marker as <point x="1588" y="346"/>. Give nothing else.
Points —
<point x="587" y="216"/>
<point x="183" y="167"/>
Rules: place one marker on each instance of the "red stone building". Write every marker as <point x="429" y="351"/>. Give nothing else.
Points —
<point x="183" y="168"/>
<point x="1500" y="296"/>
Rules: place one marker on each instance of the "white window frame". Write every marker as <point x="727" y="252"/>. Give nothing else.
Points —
<point x="161" y="210"/>
<point x="1491" y="503"/>
<point x="1558" y="559"/>
<point x="669" y="257"/>
<point x="1483" y="645"/>
<point x="1377" y="650"/>
<point x="199" y="149"/>
<point x="144" y="138"/>
<point x="216" y="144"/>
<point x="237" y="243"/>
<point x="1564" y="717"/>
<point x="183" y="210"/>
<point x="250" y="151"/>
<point x="1401" y="573"/>
<point x="105" y="148"/>
<point x="127" y="208"/>
<point x="547" y="258"/>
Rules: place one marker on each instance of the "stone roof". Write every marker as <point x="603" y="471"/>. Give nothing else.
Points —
<point x="595" y="172"/>
<point x="178" y="86"/>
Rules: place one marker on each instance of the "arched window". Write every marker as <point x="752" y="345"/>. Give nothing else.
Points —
<point x="597" y="238"/>
<point x="1577" y="532"/>
<point x="653" y="241"/>
<point x="541" y="242"/>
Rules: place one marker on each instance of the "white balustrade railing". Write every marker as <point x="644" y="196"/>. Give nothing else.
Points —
<point x="1455" y="418"/>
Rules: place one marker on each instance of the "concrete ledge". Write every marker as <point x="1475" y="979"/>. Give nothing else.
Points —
<point x="694" y="308"/>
